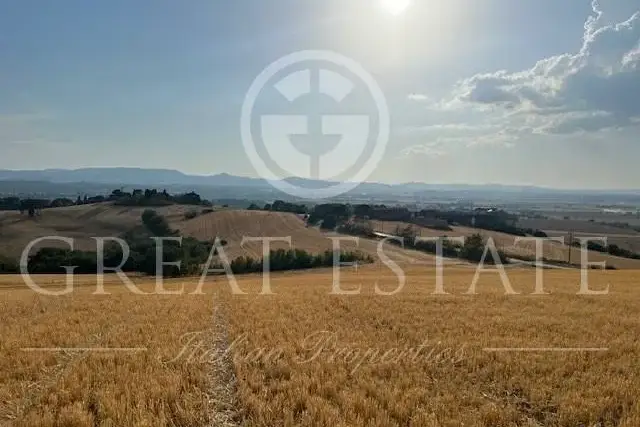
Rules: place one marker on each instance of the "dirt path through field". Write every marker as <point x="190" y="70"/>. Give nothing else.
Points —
<point x="222" y="400"/>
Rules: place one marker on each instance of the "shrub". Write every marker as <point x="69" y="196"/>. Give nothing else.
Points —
<point x="408" y="233"/>
<point x="473" y="250"/>
<point x="360" y="228"/>
<point x="540" y="233"/>
<point x="190" y="215"/>
<point x="8" y="266"/>
<point x="449" y="249"/>
<point x="156" y="224"/>
<point x="295" y="259"/>
<point x="329" y="223"/>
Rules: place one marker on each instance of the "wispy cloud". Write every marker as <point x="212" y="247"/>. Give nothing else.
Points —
<point x="432" y="149"/>
<point x="418" y="97"/>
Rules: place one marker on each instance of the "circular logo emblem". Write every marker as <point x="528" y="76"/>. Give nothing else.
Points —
<point x="315" y="124"/>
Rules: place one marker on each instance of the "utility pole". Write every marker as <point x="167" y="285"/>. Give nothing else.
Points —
<point x="570" y="246"/>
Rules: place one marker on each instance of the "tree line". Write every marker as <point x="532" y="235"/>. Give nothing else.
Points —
<point x="612" y="249"/>
<point x="329" y="216"/>
<point x="472" y="250"/>
<point x="138" y="197"/>
<point x="296" y="259"/>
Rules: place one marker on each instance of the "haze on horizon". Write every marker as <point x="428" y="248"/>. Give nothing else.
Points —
<point x="534" y="92"/>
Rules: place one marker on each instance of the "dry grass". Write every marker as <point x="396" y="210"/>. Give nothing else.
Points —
<point x="451" y="381"/>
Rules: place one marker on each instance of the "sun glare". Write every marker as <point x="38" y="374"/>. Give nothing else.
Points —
<point x="395" y="7"/>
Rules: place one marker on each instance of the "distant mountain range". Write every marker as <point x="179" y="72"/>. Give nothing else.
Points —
<point x="157" y="177"/>
<point x="229" y="185"/>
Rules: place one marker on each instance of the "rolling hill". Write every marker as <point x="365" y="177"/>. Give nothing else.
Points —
<point x="84" y="222"/>
<point x="234" y="225"/>
<point x="105" y="220"/>
<point x="78" y="222"/>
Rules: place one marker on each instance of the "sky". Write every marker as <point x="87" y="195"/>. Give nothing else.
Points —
<point x="527" y="92"/>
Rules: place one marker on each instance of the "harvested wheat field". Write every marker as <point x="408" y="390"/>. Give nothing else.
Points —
<point x="134" y="386"/>
<point x="355" y="360"/>
<point x="234" y="225"/>
<point x="304" y="357"/>
<point x="554" y="251"/>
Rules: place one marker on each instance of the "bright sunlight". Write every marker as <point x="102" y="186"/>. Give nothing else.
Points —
<point x="395" y="7"/>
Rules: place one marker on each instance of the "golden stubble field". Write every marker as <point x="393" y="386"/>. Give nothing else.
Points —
<point x="99" y="388"/>
<point x="303" y="357"/>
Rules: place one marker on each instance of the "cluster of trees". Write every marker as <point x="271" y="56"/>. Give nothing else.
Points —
<point x="148" y="197"/>
<point x="357" y="228"/>
<point x="8" y="265"/>
<point x="613" y="249"/>
<point x="32" y="206"/>
<point x="191" y="252"/>
<point x="382" y="212"/>
<point x="472" y="250"/>
<point x="295" y="259"/>
<point x="153" y="197"/>
<point x="494" y="220"/>
<point x="534" y="233"/>
<point x="282" y="206"/>
<point x="329" y="216"/>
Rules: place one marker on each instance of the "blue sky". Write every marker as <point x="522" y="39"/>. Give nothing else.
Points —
<point x="159" y="83"/>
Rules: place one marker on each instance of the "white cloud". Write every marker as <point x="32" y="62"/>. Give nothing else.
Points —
<point x="593" y="89"/>
<point x="432" y="149"/>
<point x="602" y="80"/>
<point x="418" y="97"/>
<point x="450" y="128"/>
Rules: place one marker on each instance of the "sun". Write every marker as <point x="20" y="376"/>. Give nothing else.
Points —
<point x="395" y="7"/>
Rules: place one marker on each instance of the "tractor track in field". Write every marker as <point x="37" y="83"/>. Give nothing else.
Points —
<point x="223" y="406"/>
